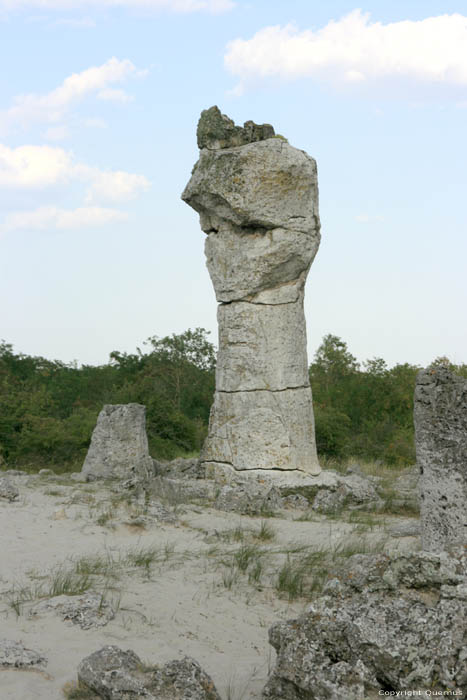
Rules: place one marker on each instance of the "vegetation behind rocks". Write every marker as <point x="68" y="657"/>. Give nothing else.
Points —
<point x="49" y="408"/>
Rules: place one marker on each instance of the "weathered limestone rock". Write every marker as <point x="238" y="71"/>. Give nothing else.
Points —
<point x="114" y="674"/>
<point x="216" y="130"/>
<point x="387" y="625"/>
<point x="180" y="468"/>
<point x="8" y="490"/>
<point x="255" y="490"/>
<point x="262" y="430"/>
<point x="119" y="444"/>
<point x="440" y="416"/>
<point x="248" y="499"/>
<point x="15" y="655"/>
<point x="257" y="197"/>
<point x="86" y="611"/>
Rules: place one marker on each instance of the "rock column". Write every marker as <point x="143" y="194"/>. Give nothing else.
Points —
<point x="440" y="416"/>
<point x="119" y="444"/>
<point x="257" y="197"/>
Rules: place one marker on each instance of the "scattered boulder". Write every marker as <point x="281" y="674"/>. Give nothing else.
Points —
<point x="386" y="625"/>
<point x="8" y="490"/>
<point x="15" y="472"/>
<point x="119" y="444"/>
<point x="352" y="491"/>
<point x="257" y="490"/>
<point x="114" y="674"/>
<point x="440" y="417"/>
<point x="329" y="501"/>
<point x="257" y="197"/>
<point x="175" y="491"/>
<point x="16" y="655"/>
<point x="87" y="610"/>
<point x="248" y="499"/>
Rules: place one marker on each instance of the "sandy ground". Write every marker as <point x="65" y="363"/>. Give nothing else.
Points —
<point x="190" y="599"/>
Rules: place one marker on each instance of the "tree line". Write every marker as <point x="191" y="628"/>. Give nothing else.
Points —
<point x="48" y="409"/>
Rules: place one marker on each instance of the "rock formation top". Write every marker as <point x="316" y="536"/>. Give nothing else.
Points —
<point x="217" y="130"/>
<point x="258" y="203"/>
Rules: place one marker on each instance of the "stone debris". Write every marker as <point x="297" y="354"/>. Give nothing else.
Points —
<point x="114" y="674"/>
<point x="8" y="490"/>
<point x="87" y="610"/>
<point x="16" y="655"/>
<point x="257" y="197"/>
<point x="351" y="491"/>
<point x="175" y="491"/>
<point x="440" y="416"/>
<point x="388" y="624"/>
<point x="257" y="490"/>
<point x="119" y="444"/>
<point x="248" y="499"/>
<point x="406" y="528"/>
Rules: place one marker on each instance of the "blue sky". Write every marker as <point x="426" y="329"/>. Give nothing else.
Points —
<point x="98" y="111"/>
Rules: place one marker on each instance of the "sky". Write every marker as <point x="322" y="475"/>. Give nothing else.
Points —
<point x="99" y="102"/>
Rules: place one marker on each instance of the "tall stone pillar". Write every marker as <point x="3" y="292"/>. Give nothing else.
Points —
<point x="257" y="197"/>
<point x="440" y="418"/>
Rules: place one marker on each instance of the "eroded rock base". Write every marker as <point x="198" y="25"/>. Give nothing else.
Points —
<point x="263" y="430"/>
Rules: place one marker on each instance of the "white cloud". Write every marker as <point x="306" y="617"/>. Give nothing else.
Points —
<point x="214" y="6"/>
<point x="115" y="186"/>
<point x="84" y="22"/>
<point x="34" y="166"/>
<point x="56" y="133"/>
<point x="355" y="51"/>
<point x="95" y="123"/>
<point x="54" y="218"/>
<point x="37" y="167"/>
<point x="52" y="107"/>
<point x="114" y="94"/>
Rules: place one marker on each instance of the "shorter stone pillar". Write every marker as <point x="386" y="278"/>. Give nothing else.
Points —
<point x="440" y="416"/>
<point x="119" y="444"/>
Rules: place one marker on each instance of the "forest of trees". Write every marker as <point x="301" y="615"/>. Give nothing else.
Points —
<point x="48" y="409"/>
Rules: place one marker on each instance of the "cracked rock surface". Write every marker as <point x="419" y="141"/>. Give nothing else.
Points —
<point x="16" y="655"/>
<point x="114" y="674"/>
<point x="257" y="197"/>
<point x="119" y="444"/>
<point x="388" y="625"/>
<point x="440" y="417"/>
<point x="86" y="611"/>
<point x="8" y="490"/>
